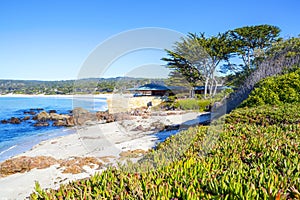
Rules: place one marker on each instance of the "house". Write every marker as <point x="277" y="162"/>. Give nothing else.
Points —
<point x="151" y="89"/>
<point x="201" y="89"/>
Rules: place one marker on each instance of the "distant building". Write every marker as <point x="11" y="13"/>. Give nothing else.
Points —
<point x="153" y="89"/>
<point x="201" y="89"/>
<point x="150" y="90"/>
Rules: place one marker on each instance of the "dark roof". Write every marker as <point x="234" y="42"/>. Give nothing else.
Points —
<point x="150" y="86"/>
<point x="218" y="87"/>
<point x="177" y="88"/>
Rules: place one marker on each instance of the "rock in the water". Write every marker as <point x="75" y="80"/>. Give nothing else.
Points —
<point x="40" y="123"/>
<point x="26" y="118"/>
<point x="34" y="117"/>
<point x="52" y="111"/>
<point x="14" y="120"/>
<point x="36" y="109"/>
<point x="43" y="116"/>
<point x="60" y="123"/>
<point x="4" y="121"/>
<point x="31" y="112"/>
<point x="55" y="116"/>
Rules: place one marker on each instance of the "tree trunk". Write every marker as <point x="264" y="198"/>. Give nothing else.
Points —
<point x="216" y="87"/>
<point x="205" y="87"/>
<point x="211" y="87"/>
<point x="192" y="93"/>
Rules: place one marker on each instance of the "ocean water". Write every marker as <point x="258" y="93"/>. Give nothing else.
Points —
<point x="18" y="138"/>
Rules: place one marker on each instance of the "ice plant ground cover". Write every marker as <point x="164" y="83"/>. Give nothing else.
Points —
<point x="256" y="156"/>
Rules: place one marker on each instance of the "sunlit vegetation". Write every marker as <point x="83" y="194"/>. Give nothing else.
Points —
<point x="192" y="104"/>
<point x="276" y="90"/>
<point x="251" y="153"/>
<point x="254" y="156"/>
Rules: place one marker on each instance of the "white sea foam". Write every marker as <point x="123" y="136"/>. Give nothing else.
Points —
<point x="6" y="150"/>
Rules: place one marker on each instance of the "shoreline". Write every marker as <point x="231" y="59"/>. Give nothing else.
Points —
<point x="107" y="142"/>
<point x="57" y="96"/>
<point x="26" y="144"/>
<point x="25" y="139"/>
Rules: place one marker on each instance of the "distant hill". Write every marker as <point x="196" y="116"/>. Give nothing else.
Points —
<point x="81" y="86"/>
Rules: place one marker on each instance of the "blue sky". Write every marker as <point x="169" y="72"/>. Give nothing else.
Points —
<point x="50" y="40"/>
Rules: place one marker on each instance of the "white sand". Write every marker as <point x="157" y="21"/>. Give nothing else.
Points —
<point x="97" y="141"/>
<point x="57" y="96"/>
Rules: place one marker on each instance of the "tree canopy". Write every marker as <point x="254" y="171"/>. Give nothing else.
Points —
<point x="252" y="41"/>
<point x="197" y="57"/>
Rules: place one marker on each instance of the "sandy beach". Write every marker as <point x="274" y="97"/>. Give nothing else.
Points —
<point x="107" y="143"/>
<point x="58" y="96"/>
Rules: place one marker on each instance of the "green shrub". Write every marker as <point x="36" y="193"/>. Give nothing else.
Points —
<point x="192" y="104"/>
<point x="275" y="90"/>
<point x="247" y="161"/>
<point x="266" y="115"/>
<point x="219" y="96"/>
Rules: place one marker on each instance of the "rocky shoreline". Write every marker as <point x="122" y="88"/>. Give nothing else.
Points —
<point x="96" y="145"/>
<point x="39" y="117"/>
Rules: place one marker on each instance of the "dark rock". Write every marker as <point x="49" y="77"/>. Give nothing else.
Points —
<point x="79" y="111"/>
<point x="81" y="116"/>
<point x="70" y="121"/>
<point x="101" y="115"/>
<point x="26" y="118"/>
<point x="14" y="120"/>
<point x="110" y="119"/>
<point x="55" y="116"/>
<point x="139" y="111"/>
<point x="40" y="124"/>
<point x="34" y="117"/>
<point x="4" y="121"/>
<point x="29" y="112"/>
<point x="121" y="116"/>
<point x="60" y="123"/>
<point x="36" y="109"/>
<point x="52" y="111"/>
<point x="157" y="126"/>
<point x="43" y="116"/>
<point x="171" y="127"/>
<point x="205" y="123"/>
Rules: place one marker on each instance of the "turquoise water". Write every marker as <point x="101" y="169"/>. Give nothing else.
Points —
<point x="17" y="138"/>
